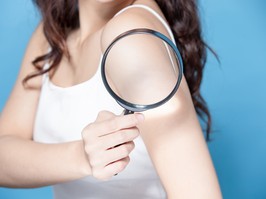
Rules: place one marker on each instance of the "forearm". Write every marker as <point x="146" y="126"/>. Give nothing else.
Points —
<point x="26" y="164"/>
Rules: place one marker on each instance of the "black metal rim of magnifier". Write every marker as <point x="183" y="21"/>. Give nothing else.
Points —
<point x="130" y="107"/>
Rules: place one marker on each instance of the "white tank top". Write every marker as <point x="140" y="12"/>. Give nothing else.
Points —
<point x="61" y="116"/>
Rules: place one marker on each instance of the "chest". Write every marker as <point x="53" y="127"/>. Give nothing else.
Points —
<point x="81" y="65"/>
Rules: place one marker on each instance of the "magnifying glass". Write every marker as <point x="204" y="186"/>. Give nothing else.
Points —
<point x="149" y="73"/>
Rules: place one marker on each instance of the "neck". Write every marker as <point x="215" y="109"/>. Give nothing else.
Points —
<point x="93" y="14"/>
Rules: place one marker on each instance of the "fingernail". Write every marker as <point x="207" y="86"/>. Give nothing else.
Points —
<point x="140" y="117"/>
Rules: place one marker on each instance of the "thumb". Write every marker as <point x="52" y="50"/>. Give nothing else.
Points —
<point x="104" y="115"/>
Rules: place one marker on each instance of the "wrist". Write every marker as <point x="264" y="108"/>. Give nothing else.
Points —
<point x="82" y="165"/>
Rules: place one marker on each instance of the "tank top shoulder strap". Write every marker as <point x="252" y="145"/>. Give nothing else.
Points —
<point x="45" y="76"/>
<point x="159" y="17"/>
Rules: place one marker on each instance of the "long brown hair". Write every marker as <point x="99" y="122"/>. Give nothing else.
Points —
<point x="62" y="17"/>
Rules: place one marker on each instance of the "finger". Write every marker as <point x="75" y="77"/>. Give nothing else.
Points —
<point x="92" y="128"/>
<point x="104" y="115"/>
<point x="116" y="167"/>
<point x="117" y="153"/>
<point x="119" y="137"/>
<point x="101" y="158"/>
<point x="117" y="123"/>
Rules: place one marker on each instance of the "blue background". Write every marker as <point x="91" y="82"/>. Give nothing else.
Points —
<point x="234" y="89"/>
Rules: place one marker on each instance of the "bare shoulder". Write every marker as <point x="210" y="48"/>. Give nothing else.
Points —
<point x="147" y="51"/>
<point x="17" y="117"/>
<point x="137" y="53"/>
<point x="37" y="46"/>
<point x="132" y="18"/>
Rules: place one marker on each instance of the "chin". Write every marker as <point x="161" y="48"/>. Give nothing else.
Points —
<point x="105" y="1"/>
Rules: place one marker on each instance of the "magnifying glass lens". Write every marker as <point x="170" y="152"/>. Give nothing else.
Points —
<point x="142" y="69"/>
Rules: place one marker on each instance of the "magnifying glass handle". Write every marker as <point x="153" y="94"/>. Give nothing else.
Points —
<point x="127" y="112"/>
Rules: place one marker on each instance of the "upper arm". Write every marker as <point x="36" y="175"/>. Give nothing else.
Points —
<point x="132" y="59"/>
<point x="171" y="132"/>
<point x="176" y="144"/>
<point x="17" y="117"/>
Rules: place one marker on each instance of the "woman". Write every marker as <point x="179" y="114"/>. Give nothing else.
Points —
<point x="62" y="128"/>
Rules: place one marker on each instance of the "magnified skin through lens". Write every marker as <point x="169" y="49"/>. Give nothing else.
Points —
<point x="143" y="82"/>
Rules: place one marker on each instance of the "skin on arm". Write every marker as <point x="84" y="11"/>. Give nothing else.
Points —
<point x="171" y="133"/>
<point x="25" y="163"/>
